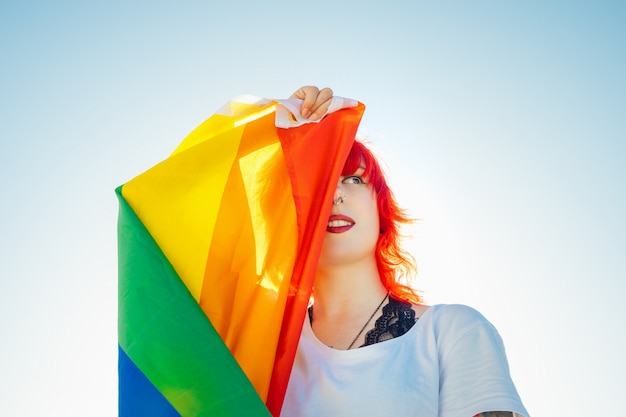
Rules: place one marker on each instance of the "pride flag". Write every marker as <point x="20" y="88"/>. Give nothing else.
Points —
<point x="218" y="246"/>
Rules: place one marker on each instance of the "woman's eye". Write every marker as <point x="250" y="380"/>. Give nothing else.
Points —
<point x="353" y="179"/>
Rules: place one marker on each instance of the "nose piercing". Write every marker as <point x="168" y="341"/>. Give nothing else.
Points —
<point x="338" y="201"/>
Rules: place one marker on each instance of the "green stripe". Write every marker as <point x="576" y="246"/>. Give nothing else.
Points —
<point x="167" y="335"/>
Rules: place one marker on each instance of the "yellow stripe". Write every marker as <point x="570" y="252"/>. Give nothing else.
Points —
<point x="178" y="200"/>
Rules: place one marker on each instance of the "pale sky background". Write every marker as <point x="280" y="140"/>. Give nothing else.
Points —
<point x="501" y="122"/>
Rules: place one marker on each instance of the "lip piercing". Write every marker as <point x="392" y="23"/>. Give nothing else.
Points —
<point x="338" y="201"/>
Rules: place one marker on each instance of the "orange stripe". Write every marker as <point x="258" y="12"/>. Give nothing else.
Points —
<point x="250" y="261"/>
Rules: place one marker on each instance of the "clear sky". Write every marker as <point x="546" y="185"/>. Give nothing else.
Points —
<point x="501" y="122"/>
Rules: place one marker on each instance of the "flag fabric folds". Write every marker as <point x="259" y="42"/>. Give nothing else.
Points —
<point x="218" y="246"/>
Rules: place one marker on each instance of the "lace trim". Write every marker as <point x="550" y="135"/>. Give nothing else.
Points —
<point x="397" y="318"/>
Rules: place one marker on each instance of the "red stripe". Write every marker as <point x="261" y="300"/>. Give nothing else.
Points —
<point x="315" y="155"/>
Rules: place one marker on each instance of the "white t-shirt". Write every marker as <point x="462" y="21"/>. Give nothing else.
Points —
<point x="451" y="363"/>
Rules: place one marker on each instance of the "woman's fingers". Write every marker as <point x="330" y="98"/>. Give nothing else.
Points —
<point x="322" y="102"/>
<point x="315" y="102"/>
<point x="308" y="95"/>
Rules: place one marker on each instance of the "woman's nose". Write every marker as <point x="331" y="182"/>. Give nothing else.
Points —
<point x="339" y="196"/>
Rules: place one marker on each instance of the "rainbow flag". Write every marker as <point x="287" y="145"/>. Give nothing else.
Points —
<point x="218" y="246"/>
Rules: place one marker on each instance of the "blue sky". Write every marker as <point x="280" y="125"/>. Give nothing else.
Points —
<point x="501" y="122"/>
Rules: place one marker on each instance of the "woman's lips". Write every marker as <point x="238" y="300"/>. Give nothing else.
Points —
<point x="338" y="223"/>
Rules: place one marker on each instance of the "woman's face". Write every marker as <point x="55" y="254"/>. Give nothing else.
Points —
<point x="353" y="226"/>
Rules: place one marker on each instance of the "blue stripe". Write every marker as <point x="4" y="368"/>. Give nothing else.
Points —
<point x="138" y="397"/>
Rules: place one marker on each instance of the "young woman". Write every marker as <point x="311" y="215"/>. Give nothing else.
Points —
<point x="369" y="347"/>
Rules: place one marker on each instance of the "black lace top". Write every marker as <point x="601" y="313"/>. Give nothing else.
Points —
<point x="397" y="318"/>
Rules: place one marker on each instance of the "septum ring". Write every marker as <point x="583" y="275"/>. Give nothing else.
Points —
<point x="338" y="201"/>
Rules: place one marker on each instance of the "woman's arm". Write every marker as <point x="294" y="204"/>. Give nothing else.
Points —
<point x="498" y="414"/>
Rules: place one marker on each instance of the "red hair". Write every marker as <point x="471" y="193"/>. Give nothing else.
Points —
<point x="393" y="262"/>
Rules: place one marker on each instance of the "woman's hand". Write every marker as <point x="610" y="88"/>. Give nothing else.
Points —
<point x="315" y="101"/>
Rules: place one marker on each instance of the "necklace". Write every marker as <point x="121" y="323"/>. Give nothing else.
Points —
<point x="367" y="322"/>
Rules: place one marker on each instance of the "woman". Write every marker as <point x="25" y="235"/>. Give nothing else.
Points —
<point x="369" y="347"/>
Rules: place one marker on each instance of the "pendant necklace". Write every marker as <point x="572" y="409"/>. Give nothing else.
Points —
<point x="367" y="322"/>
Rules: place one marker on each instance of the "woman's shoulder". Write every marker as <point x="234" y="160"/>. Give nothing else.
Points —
<point x="456" y="316"/>
<point x="447" y="324"/>
<point x="456" y="310"/>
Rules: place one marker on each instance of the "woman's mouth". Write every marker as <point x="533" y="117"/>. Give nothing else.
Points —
<point x="338" y="223"/>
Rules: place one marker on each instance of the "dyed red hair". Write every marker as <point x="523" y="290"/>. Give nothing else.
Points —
<point x="393" y="262"/>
